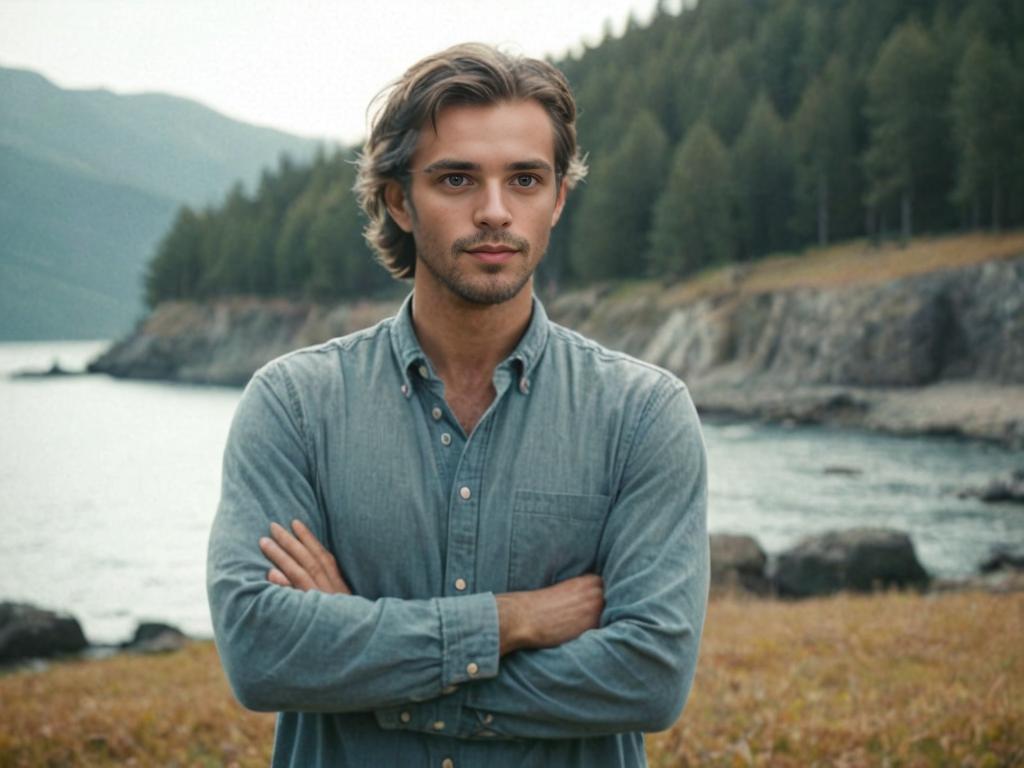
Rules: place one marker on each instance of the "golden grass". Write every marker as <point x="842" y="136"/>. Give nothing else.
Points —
<point x="892" y="679"/>
<point x="849" y="263"/>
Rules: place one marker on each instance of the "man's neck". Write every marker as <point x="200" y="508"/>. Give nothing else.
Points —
<point x="464" y="341"/>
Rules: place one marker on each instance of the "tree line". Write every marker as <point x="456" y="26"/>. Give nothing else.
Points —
<point x="720" y="133"/>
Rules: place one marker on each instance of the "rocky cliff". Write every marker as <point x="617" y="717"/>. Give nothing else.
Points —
<point x="939" y="352"/>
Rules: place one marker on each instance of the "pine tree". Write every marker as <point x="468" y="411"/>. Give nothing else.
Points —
<point x="610" y="226"/>
<point x="823" y="131"/>
<point x="174" y="272"/>
<point x="763" y="168"/>
<point x="904" y="111"/>
<point x="727" y="110"/>
<point x="692" y="225"/>
<point x="984" y="127"/>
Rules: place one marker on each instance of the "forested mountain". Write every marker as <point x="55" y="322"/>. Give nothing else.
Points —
<point x="89" y="181"/>
<point x="720" y="133"/>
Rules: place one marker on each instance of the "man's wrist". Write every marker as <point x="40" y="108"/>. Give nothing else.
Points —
<point x="513" y="627"/>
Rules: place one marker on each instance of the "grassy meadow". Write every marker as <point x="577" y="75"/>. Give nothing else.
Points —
<point x="893" y="679"/>
<point x="853" y="262"/>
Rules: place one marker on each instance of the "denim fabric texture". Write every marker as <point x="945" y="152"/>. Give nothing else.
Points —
<point x="587" y="461"/>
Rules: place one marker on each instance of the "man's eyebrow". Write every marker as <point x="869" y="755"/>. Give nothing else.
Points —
<point x="530" y="165"/>
<point x="464" y="165"/>
<point x="451" y="165"/>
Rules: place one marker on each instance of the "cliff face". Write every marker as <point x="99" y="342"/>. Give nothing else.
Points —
<point x="224" y="342"/>
<point x="872" y="354"/>
<point x="962" y="324"/>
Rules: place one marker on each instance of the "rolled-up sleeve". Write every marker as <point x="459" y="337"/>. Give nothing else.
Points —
<point x="635" y="672"/>
<point x="284" y="649"/>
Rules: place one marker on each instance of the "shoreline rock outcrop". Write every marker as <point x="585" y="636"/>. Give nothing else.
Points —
<point x="30" y="632"/>
<point x="738" y="564"/>
<point x="1009" y="488"/>
<point x="857" y="559"/>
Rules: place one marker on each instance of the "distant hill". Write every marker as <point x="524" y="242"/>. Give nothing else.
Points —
<point x="90" y="181"/>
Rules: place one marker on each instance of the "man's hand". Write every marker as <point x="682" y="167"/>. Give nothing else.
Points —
<point x="301" y="561"/>
<point x="540" y="618"/>
<point x="544" y="618"/>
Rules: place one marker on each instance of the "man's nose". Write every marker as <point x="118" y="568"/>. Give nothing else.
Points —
<point x="492" y="211"/>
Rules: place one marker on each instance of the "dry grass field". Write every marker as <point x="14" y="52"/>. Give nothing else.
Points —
<point x="848" y="263"/>
<point x="886" y="680"/>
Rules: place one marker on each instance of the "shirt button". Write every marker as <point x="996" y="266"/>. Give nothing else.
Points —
<point x="423" y="371"/>
<point x="438" y="725"/>
<point x="472" y="669"/>
<point x="446" y="439"/>
<point x="436" y="413"/>
<point x="405" y="389"/>
<point x="524" y="385"/>
<point x="465" y="493"/>
<point x="460" y="584"/>
<point x="488" y="718"/>
<point x="447" y="763"/>
<point x="405" y="717"/>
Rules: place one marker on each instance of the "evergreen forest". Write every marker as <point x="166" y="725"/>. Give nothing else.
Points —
<point x="716" y="134"/>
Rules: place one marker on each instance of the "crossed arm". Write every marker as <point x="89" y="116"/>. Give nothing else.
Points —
<point x="542" y="618"/>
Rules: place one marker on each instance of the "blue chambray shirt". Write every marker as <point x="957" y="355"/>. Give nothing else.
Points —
<point x="586" y="461"/>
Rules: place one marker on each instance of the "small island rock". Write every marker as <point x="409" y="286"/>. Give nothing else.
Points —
<point x="1009" y="488"/>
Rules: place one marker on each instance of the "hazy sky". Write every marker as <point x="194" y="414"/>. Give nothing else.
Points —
<point x="305" y="66"/>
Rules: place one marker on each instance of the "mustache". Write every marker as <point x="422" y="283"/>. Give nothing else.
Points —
<point x="491" y="237"/>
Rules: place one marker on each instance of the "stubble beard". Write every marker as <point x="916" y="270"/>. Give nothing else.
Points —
<point x="448" y="270"/>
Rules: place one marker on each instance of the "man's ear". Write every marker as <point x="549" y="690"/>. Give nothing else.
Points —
<point x="563" y="192"/>
<point x="398" y="205"/>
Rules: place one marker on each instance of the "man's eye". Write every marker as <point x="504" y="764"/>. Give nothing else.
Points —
<point x="455" y="180"/>
<point x="526" y="180"/>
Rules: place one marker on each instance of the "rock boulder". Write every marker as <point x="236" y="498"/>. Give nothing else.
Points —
<point x="1010" y="488"/>
<point x="859" y="559"/>
<point x="28" y="632"/>
<point x="154" y="637"/>
<point x="738" y="563"/>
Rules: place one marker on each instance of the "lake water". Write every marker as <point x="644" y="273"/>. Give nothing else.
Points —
<point x="108" y="489"/>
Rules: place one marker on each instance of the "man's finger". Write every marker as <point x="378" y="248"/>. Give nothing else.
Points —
<point x="300" y="554"/>
<point x="294" y="572"/>
<point x="327" y="560"/>
<point x="274" y="576"/>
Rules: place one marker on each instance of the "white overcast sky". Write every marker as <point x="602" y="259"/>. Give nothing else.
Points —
<point x="305" y="66"/>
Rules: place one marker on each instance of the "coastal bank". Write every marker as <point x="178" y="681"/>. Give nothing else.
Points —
<point x="927" y="339"/>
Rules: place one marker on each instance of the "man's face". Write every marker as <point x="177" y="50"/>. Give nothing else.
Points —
<point x="482" y="199"/>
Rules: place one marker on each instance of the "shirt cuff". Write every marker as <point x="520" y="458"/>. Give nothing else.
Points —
<point x="469" y="638"/>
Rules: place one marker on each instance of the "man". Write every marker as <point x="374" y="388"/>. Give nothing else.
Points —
<point x="518" y="514"/>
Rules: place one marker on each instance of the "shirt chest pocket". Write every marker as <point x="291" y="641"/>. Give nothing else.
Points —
<point x="554" y="536"/>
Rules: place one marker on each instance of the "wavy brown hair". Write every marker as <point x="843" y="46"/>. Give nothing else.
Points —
<point x="470" y="73"/>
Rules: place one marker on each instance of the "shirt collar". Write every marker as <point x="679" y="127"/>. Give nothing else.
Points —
<point x="525" y="356"/>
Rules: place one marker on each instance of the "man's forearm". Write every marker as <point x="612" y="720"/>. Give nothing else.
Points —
<point x="546" y="618"/>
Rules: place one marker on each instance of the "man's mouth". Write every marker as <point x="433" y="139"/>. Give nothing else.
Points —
<point x="493" y="254"/>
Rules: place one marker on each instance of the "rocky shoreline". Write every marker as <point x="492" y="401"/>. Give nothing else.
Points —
<point x="940" y="353"/>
